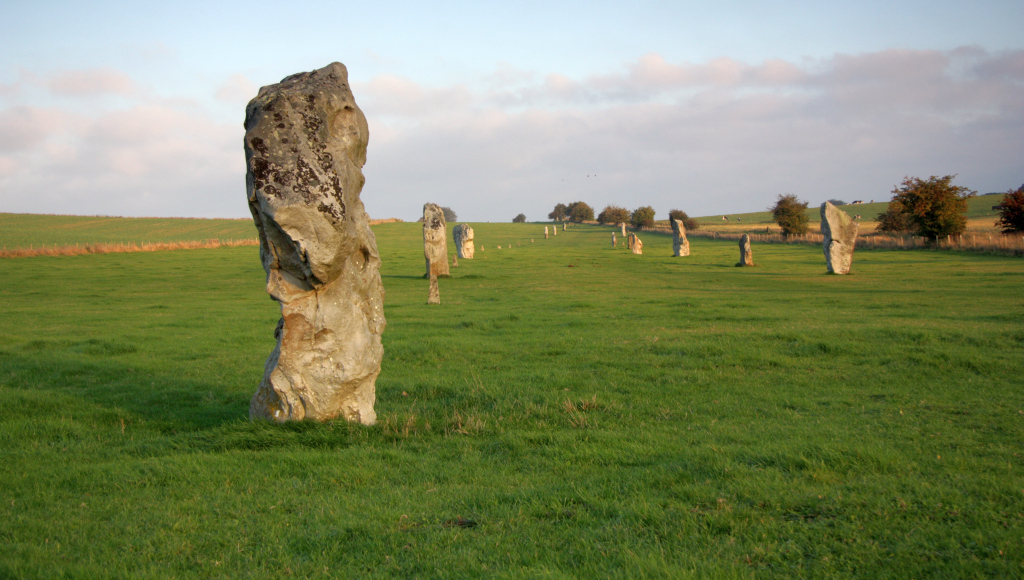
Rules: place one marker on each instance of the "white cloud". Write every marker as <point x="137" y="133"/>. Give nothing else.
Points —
<point x="98" y="81"/>
<point x="236" y="89"/>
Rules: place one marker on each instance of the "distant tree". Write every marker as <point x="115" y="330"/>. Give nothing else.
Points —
<point x="788" y="212"/>
<point x="449" y="215"/>
<point x="642" y="217"/>
<point x="578" y="211"/>
<point x="613" y="214"/>
<point x="837" y="202"/>
<point x="934" y="207"/>
<point x="559" y="212"/>
<point x="1011" y="212"/>
<point x="519" y="219"/>
<point x="895" y="219"/>
<point x="689" y="223"/>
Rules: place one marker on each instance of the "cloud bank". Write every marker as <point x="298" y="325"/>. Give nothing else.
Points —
<point x="720" y="136"/>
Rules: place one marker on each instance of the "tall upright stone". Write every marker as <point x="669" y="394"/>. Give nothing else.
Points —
<point x="840" y="238"/>
<point x="554" y="230"/>
<point x="746" y="256"/>
<point x="463" y="236"/>
<point x="613" y="240"/>
<point x="680" y="245"/>
<point x="435" y="240"/>
<point x="545" y="232"/>
<point x="305" y="145"/>
<point x="623" y="226"/>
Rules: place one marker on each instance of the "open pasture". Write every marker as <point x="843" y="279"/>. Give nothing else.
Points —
<point x="24" y="230"/>
<point x="568" y="410"/>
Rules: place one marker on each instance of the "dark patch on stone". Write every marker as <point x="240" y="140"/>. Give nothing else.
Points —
<point x="259" y="146"/>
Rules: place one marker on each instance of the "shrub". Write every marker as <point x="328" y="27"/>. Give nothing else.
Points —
<point x="558" y="213"/>
<point x="934" y="207"/>
<point x="613" y="214"/>
<point x="578" y="211"/>
<point x="1011" y="212"/>
<point x="894" y="219"/>
<point x="837" y="202"/>
<point x="788" y="212"/>
<point x="642" y="217"/>
<point x="449" y="215"/>
<point x="689" y="223"/>
<point x="519" y="219"/>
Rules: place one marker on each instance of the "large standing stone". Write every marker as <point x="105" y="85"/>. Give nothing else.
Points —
<point x="635" y="244"/>
<point x="680" y="245"/>
<point x="840" y="238"/>
<point x="435" y="240"/>
<point x="305" y="145"/>
<point x="746" y="256"/>
<point x="463" y="235"/>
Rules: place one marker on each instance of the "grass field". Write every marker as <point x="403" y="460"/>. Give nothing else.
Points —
<point x="23" y="230"/>
<point x="570" y="410"/>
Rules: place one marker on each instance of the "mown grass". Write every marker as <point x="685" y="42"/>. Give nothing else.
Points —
<point x="23" y="230"/>
<point x="569" y="410"/>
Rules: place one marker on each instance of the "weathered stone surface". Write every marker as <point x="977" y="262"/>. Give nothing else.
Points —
<point x="680" y="245"/>
<point x="463" y="236"/>
<point x="613" y="240"/>
<point x="435" y="240"/>
<point x="840" y="238"/>
<point x="746" y="256"/>
<point x="635" y="245"/>
<point x="305" y="145"/>
<point x="545" y="232"/>
<point x="434" y="294"/>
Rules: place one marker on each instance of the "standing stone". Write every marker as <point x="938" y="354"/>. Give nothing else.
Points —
<point x="746" y="256"/>
<point x="623" y="226"/>
<point x="840" y="238"/>
<point x="463" y="235"/>
<point x="635" y="245"/>
<point x="434" y="294"/>
<point x="435" y="240"/>
<point x="563" y="226"/>
<point x="455" y="261"/>
<point x="554" y="230"/>
<point x="613" y="239"/>
<point x="680" y="245"/>
<point x="545" y="232"/>
<point x="305" y="145"/>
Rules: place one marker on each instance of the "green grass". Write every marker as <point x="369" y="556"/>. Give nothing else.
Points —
<point x="977" y="207"/>
<point x="21" y="230"/>
<point x="569" y="410"/>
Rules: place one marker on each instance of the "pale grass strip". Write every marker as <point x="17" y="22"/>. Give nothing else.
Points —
<point x="118" y="247"/>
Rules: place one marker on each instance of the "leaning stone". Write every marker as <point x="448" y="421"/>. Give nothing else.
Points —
<point x="305" y="145"/>
<point x="435" y="240"/>
<point x="434" y="294"/>
<point x="680" y="245"/>
<point x="746" y="256"/>
<point x="463" y="235"/>
<point x="839" y="234"/>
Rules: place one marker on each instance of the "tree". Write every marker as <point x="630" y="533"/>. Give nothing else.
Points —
<point x="642" y="217"/>
<point x="519" y="219"/>
<point x="559" y="212"/>
<point x="449" y="215"/>
<point x="578" y="211"/>
<point x="837" y="202"/>
<point x="934" y="207"/>
<point x="1011" y="212"/>
<point x="788" y="212"/>
<point x="689" y="223"/>
<point x="895" y="219"/>
<point x="613" y="214"/>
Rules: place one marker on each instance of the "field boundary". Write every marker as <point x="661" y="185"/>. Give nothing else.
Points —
<point x="118" y="248"/>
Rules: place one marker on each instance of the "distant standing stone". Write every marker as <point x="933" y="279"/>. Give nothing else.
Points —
<point x="746" y="256"/>
<point x="613" y="240"/>
<point x="680" y="245"/>
<point x="434" y="295"/>
<point x="635" y="244"/>
<point x="463" y="236"/>
<point x="305" y="145"/>
<point x="623" y="226"/>
<point x="563" y="226"/>
<point x="840" y="238"/>
<point x="455" y="261"/>
<point x="545" y="232"/>
<point x="435" y="240"/>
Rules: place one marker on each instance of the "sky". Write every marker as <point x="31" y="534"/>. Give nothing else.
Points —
<point x="136" y="109"/>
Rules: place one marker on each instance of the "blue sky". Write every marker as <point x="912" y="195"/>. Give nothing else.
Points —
<point x="121" y="108"/>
